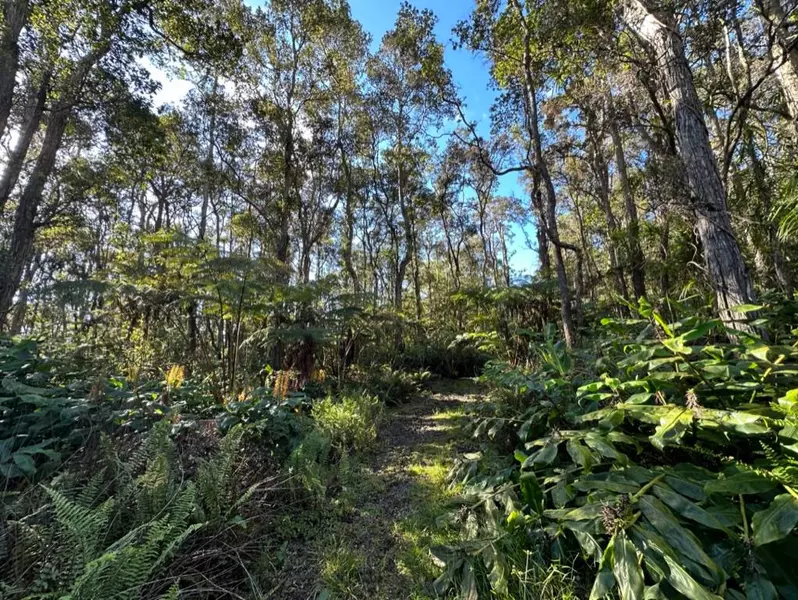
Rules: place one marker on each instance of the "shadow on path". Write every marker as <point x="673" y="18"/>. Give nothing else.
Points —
<point x="377" y="546"/>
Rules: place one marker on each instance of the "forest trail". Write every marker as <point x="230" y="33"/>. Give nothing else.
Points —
<point x="376" y="545"/>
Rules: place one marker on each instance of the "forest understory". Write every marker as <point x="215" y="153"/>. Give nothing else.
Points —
<point x="359" y="299"/>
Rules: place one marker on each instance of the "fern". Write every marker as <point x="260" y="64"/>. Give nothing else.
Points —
<point x="80" y="530"/>
<point x="172" y="594"/>
<point x="216" y="477"/>
<point x="122" y="568"/>
<point x="93" y="490"/>
<point x="309" y="462"/>
<point x="782" y="468"/>
<point x="785" y="213"/>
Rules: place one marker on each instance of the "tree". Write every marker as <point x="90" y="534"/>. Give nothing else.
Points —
<point x="724" y="260"/>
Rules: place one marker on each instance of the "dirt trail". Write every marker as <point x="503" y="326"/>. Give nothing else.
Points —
<point x="376" y="545"/>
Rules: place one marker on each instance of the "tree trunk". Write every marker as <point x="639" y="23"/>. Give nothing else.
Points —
<point x="15" y="15"/>
<point x="505" y="255"/>
<point x="600" y="170"/>
<point x="16" y="258"/>
<point x="784" y="53"/>
<point x="542" y="171"/>
<point x="763" y="189"/>
<point x="21" y="307"/>
<point x="664" y="252"/>
<point x="417" y="283"/>
<point x="30" y="125"/>
<point x="208" y="166"/>
<point x="544" y="261"/>
<point x="635" y="253"/>
<point x="193" y="328"/>
<point x="724" y="261"/>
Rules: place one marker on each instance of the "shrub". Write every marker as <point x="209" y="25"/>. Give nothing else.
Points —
<point x="392" y="386"/>
<point x="350" y="422"/>
<point x="444" y="358"/>
<point x="39" y="421"/>
<point x="309" y="464"/>
<point x="273" y="422"/>
<point x="672" y="474"/>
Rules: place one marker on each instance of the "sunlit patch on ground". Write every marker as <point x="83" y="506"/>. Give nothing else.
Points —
<point x="374" y="541"/>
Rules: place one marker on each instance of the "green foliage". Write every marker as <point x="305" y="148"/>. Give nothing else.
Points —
<point x="785" y="213"/>
<point x="38" y="420"/>
<point x="392" y="386"/>
<point x="274" y="422"/>
<point x="667" y="466"/>
<point x="115" y="535"/>
<point x="349" y="422"/>
<point x="310" y="464"/>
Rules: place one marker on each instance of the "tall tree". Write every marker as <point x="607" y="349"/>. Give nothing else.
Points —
<point x="722" y="255"/>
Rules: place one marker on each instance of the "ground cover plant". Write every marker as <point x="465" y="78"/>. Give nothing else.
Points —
<point x="345" y="299"/>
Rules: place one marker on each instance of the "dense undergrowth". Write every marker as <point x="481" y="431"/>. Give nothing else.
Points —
<point x="120" y="489"/>
<point x="659" y="460"/>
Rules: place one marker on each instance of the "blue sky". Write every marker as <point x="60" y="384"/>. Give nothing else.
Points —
<point x="472" y="77"/>
<point x="469" y="72"/>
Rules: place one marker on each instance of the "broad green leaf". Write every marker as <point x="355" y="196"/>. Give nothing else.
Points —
<point x="697" y="562"/>
<point x="562" y="494"/>
<point x="689" y="510"/>
<point x="776" y="521"/>
<point x="468" y="585"/>
<point x="603" y="447"/>
<point x="685" y="487"/>
<point x="640" y="398"/>
<point x="759" y="352"/>
<point x="683" y="583"/>
<point x="590" y="546"/>
<point x="24" y="462"/>
<point x="747" y="308"/>
<point x="700" y="331"/>
<point x="497" y="576"/>
<point x="605" y="580"/>
<point x="758" y="587"/>
<point x="744" y="482"/>
<point x="626" y="569"/>
<point x="531" y="492"/>
<point x="672" y="427"/>
<point x="677" y="346"/>
<point x="542" y="457"/>
<point x="579" y="454"/>
<point x="790" y="399"/>
<point x="583" y="513"/>
<point x="592" y="387"/>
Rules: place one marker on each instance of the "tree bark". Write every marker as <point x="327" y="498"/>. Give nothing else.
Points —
<point x="600" y="170"/>
<point x="724" y="261"/>
<point x="635" y="254"/>
<point x="542" y="171"/>
<point x="784" y="53"/>
<point x="544" y="260"/>
<point x="15" y="259"/>
<point x="349" y="222"/>
<point x="30" y="125"/>
<point x="15" y="15"/>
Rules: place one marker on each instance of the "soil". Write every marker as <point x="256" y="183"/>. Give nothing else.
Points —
<point x="373" y="542"/>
